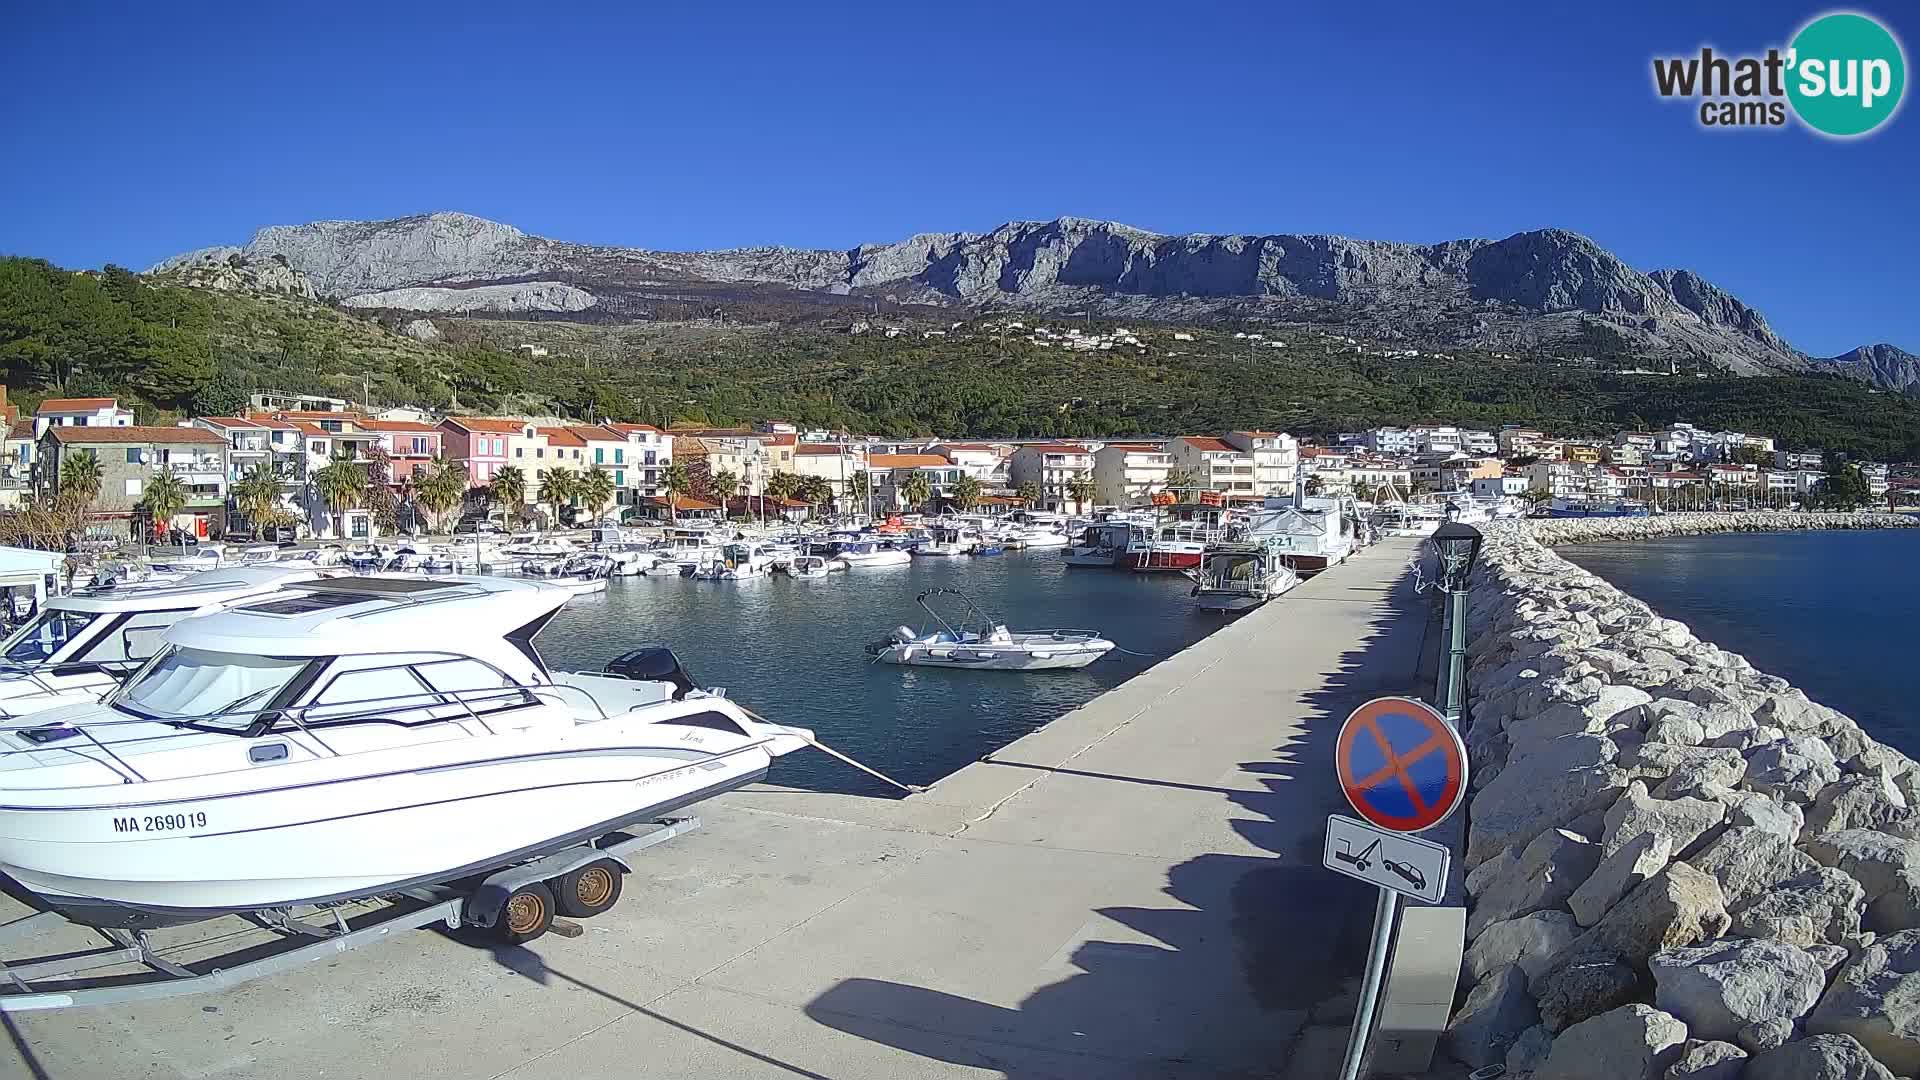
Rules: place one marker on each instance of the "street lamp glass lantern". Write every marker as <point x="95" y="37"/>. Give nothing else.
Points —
<point x="1457" y="546"/>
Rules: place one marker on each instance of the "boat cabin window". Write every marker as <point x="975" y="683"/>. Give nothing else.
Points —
<point x="718" y="721"/>
<point x="215" y="689"/>
<point x="138" y="638"/>
<point x="43" y="637"/>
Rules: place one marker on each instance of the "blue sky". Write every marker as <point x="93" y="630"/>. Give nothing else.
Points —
<point x="152" y="129"/>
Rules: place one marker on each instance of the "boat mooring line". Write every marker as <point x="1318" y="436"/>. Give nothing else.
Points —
<point x="911" y="789"/>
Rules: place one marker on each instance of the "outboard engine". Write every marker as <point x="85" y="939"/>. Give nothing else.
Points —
<point x="900" y="636"/>
<point x="653" y="663"/>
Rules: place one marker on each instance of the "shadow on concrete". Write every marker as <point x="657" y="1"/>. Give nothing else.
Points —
<point x="1252" y="973"/>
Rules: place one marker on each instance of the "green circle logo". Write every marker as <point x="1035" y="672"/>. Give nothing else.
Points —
<point x="1845" y="74"/>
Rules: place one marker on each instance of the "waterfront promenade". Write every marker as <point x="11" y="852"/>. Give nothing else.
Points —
<point x="1133" y="890"/>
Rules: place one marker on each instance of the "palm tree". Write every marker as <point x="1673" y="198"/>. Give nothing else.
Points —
<point x="1314" y="484"/>
<point x="442" y="489"/>
<point x="1082" y="489"/>
<point x="965" y="491"/>
<point x="80" y="478"/>
<point x="1030" y="493"/>
<point x="784" y="485"/>
<point x="342" y="484"/>
<point x="725" y="484"/>
<point x="1181" y="480"/>
<point x="509" y="489"/>
<point x="595" y="490"/>
<point x="916" y="490"/>
<point x="257" y="494"/>
<point x="557" y="486"/>
<point x="678" y="482"/>
<point x="815" y="490"/>
<point x="164" y="498"/>
<point x="860" y="488"/>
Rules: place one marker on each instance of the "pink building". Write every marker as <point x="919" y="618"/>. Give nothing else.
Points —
<point x="479" y="443"/>
<point x="411" y="446"/>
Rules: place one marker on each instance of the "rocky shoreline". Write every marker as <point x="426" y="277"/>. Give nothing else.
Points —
<point x="1678" y="866"/>
<point x="1554" y="531"/>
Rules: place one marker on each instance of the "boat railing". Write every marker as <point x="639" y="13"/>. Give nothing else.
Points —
<point x="31" y="672"/>
<point x="309" y="719"/>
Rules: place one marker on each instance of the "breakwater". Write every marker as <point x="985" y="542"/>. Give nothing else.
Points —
<point x="1551" y="531"/>
<point x="1676" y="861"/>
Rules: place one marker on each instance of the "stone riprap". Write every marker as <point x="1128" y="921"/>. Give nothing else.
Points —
<point x="1555" y="531"/>
<point x="1658" y="830"/>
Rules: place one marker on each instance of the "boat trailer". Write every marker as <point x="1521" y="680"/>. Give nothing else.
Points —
<point x="518" y="902"/>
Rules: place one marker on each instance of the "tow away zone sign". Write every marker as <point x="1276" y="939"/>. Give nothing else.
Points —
<point x="1405" y="864"/>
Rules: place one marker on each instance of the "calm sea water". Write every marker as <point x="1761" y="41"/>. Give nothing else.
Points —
<point x="1831" y="612"/>
<point x="792" y="649"/>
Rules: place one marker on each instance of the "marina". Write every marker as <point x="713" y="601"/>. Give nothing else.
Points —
<point x="1117" y="852"/>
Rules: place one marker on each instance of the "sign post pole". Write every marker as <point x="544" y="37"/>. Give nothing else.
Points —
<point x="1386" y="915"/>
<point x="1403" y="767"/>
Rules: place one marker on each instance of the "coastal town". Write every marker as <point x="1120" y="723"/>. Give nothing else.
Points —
<point x="336" y="470"/>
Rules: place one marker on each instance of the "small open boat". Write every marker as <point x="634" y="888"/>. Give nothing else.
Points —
<point x="990" y="645"/>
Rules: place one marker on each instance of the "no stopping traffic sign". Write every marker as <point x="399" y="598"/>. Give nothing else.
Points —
<point x="1402" y="766"/>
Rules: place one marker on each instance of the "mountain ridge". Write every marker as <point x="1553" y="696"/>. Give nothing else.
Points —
<point x="1523" y="291"/>
<point x="1881" y="364"/>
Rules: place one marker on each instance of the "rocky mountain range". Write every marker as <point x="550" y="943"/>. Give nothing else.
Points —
<point x="1528" y="290"/>
<point x="1881" y="365"/>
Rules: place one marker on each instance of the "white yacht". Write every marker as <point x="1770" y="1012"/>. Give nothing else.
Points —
<point x="1408" y="519"/>
<point x="79" y="647"/>
<point x="949" y="540"/>
<point x="990" y="645"/>
<point x="858" y="554"/>
<point x="1241" y="577"/>
<point x="807" y="566"/>
<point x="350" y="738"/>
<point x="736" y="561"/>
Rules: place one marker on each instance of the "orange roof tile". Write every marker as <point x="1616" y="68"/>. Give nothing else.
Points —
<point x="784" y="438"/>
<point x="76" y="404"/>
<point x="228" y="421"/>
<point x="1057" y="448"/>
<point x="398" y="425"/>
<point x="559" y="436"/>
<point x="628" y="429"/>
<point x="139" y="434"/>
<point x="684" y="502"/>
<point x="1202" y="442"/>
<point x="906" y="461"/>
<point x="820" y="449"/>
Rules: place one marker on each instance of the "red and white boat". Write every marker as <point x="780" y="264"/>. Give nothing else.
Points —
<point x="1179" y="544"/>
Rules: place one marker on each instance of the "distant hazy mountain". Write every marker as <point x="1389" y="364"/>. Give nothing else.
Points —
<point x="1881" y="365"/>
<point x="1530" y="289"/>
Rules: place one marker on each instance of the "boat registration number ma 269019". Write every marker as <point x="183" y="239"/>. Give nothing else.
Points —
<point x="160" y="822"/>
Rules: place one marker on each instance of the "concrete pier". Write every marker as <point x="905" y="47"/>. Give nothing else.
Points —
<point x="1133" y="890"/>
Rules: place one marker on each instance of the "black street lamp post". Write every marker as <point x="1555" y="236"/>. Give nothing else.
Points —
<point x="1458" y="547"/>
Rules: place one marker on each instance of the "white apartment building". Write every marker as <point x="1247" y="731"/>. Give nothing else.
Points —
<point x="1127" y="474"/>
<point x="80" y="412"/>
<point x="1443" y="439"/>
<point x="834" y="462"/>
<point x="1391" y="440"/>
<point x="1276" y="459"/>
<point x="1216" y="463"/>
<point x="1560" y="479"/>
<point x="985" y="462"/>
<point x="1799" y="459"/>
<point x="1497" y="487"/>
<point x="1482" y="443"/>
<point x="1052" y="466"/>
<point x="1515" y="442"/>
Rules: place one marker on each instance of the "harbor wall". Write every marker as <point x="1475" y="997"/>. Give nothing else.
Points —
<point x="1674" y="859"/>
<point x="1552" y="531"/>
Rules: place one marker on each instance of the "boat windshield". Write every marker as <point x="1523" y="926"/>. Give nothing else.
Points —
<point x="40" y="639"/>
<point x="216" y="689"/>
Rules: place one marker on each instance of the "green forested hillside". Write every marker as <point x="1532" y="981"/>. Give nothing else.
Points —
<point x="175" y="350"/>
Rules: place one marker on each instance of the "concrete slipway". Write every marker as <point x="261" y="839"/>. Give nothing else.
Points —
<point x="1132" y="891"/>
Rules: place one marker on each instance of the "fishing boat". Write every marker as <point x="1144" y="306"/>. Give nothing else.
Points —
<point x="1315" y="535"/>
<point x="1242" y="576"/>
<point x="347" y="739"/>
<point x="1408" y="519"/>
<point x="1596" y="508"/>
<point x="989" y="644"/>
<point x="1104" y="544"/>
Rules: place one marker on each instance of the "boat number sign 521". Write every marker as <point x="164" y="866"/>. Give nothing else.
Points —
<point x="160" y="822"/>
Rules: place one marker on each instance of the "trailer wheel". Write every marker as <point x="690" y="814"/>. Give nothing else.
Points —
<point x="589" y="890"/>
<point x="527" y="914"/>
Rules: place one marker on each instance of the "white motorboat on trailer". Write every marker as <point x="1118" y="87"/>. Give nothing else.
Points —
<point x="990" y="646"/>
<point x="80" y="646"/>
<point x="1241" y="577"/>
<point x="351" y="738"/>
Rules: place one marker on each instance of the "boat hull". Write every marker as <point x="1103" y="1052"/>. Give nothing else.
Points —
<point x="1159" y="560"/>
<point x="148" y="864"/>
<point x="988" y="659"/>
<point x="1229" y="601"/>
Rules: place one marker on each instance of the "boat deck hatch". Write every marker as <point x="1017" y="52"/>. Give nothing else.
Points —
<point x="378" y="586"/>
